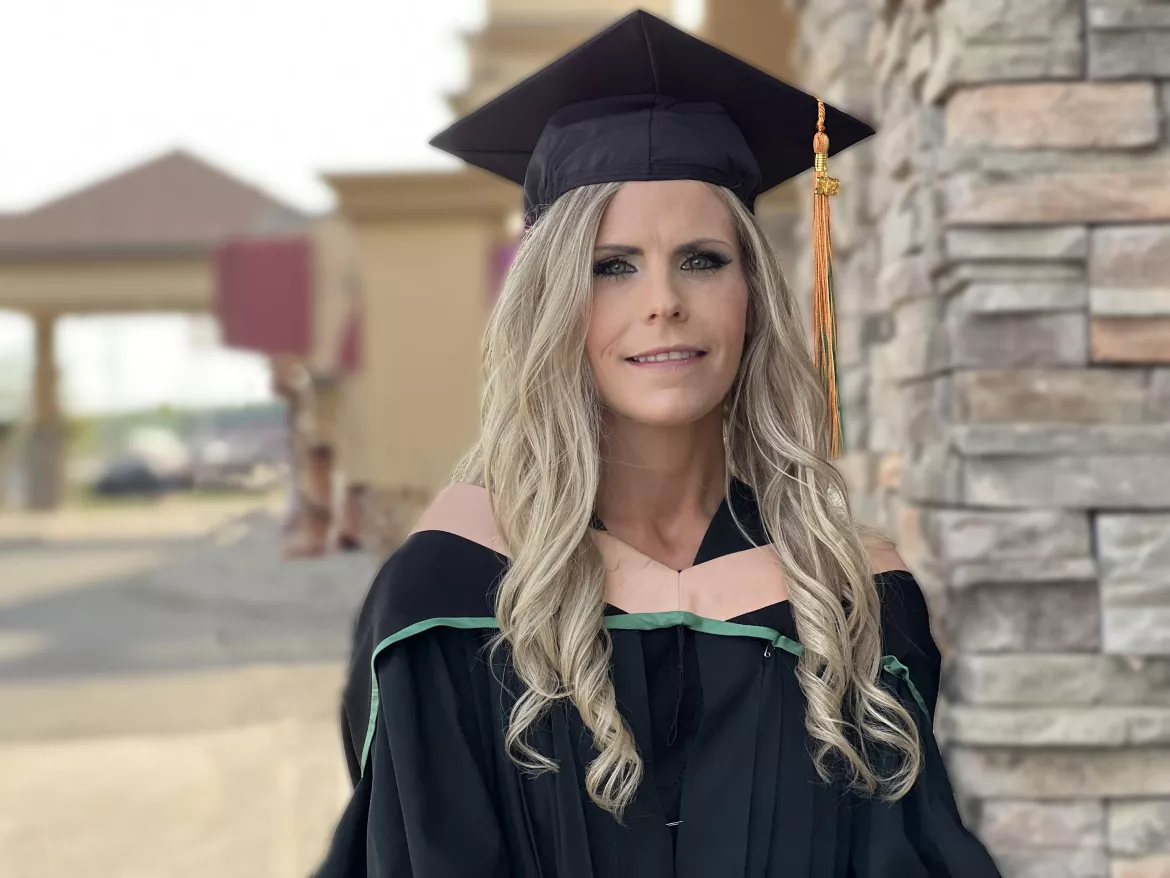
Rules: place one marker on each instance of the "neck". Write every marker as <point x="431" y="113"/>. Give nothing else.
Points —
<point x="656" y="476"/>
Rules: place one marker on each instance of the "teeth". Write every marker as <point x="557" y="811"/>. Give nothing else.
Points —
<point x="662" y="358"/>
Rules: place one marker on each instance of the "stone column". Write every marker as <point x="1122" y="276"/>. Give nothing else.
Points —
<point x="45" y="444"/>
<point x="1011" y="376"/>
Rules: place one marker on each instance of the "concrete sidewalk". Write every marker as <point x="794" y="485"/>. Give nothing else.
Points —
<point x="169" y="694"/>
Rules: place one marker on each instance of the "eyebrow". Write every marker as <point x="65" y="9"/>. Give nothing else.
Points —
<point x="686" y="247"/>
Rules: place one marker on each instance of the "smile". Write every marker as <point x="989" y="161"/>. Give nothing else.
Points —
<point x="673" y="358"/>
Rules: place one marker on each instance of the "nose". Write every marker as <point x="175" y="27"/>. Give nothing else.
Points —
<point x="663" y="300"/>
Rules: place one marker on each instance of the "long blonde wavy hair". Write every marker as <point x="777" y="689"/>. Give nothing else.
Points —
<point x="538" y="457"/>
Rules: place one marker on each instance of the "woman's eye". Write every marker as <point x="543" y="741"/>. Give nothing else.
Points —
<point x="612" y="267"/>
<point x="705" y="261"/>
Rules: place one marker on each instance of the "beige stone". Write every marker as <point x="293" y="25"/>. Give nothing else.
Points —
<point x="1008" y="823"/>
<point x="1063" y="774"/>
<point x="1081" y="115"/>
<point x="1130" y="339"/>
<point x="1083" y="396"/>
<point x="1157" y="866"/>
<point x="1102" y="195"/>
<point x="1129" y="270"/>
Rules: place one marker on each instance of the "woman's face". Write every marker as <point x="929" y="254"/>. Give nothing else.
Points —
<point x="666" y="329"/>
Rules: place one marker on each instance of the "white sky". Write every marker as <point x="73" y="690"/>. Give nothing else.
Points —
<point x="275" y="91"/>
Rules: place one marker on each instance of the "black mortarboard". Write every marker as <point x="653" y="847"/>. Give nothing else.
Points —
<point x="643" y="100"/>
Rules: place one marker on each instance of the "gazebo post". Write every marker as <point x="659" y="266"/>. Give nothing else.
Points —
<point x="45" y="454"/>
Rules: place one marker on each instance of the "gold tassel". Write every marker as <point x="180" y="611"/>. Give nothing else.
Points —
<point x="824" y="312"/>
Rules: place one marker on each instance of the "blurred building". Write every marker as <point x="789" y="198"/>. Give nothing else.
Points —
<point x="142" y="240"/>
<point x="1002" y="254"/>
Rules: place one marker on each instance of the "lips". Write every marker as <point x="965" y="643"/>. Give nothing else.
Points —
<point x="677" y="356"/>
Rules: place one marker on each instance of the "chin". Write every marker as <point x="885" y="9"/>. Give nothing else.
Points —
<point x="673" y="413"/>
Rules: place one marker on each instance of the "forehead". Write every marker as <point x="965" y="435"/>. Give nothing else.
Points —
<point x="667" y="209"/>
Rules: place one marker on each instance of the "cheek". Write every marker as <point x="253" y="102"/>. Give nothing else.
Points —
<point x="727" y="314"/>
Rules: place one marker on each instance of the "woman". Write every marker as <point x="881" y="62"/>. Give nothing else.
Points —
<point x="640" y="634"/>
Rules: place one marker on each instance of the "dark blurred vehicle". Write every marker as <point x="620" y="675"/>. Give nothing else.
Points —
<point x="132" y="474"/>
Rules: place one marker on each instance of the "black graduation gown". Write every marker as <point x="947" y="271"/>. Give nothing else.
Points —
<point x="716" y="710"/>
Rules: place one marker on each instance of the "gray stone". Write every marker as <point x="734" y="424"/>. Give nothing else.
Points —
<point x="1015" y="21"/>
<point x="1085" y="482"/>
<point x="903" y="279"/>
<point x="1134" y="545"/>
<point x="1077" y="396"/>
<point x="1072" y="862"/>
<point x="1129" y="270"/>
<point x="1034" y="680"/>
<point x="1120" y="54"/>
<point x="1039" y="617"/>
<point x="1130" y="302"/>
<point x="901" y="232"/>
<point x="1138" y="828"/>
<point x="1136" y="630"/>
<point x="1016" y="570"/>
<point x="933" y="475"/>
<point x="983" y="440"/>
<point x="1063" y="773"/>
<point x="1009" y="298"/>
<point x="919" y="346"/>
<point x="957" y="276"/>
<point x="967" y="535"/>
<point x="1016" y="340"/>
<point x="1041" y="243"/>
<point x="1159" y="401"/>
<point x="1057" y="726"/>
<point x="929" y="406"/>
<point x="974" y="64"/>
<point x="1126" y="14"/>
<point x="1019" y="824"/>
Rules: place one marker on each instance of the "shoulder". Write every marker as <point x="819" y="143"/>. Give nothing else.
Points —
<point x="432" y="575"/>
<point x="883" y="554"/>
<point x="448" y="567"/>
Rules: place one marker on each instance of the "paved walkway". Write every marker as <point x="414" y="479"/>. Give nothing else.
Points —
<point x="169" y="693"/>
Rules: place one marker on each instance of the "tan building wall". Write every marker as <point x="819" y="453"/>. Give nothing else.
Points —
<point x="108" y="285"/>
<point x="426" y="242"/>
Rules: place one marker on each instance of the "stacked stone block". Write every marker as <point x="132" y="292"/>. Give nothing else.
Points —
<point x="1003" y="249"/>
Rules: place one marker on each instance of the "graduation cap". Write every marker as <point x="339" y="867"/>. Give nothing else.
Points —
<point x="643" y="100"/>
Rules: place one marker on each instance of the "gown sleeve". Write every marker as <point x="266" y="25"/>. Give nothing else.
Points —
<point x="921" y="835"/>
<point x="423" y="805"/>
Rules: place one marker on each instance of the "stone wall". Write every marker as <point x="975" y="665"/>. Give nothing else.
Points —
<point x="1003" y="262"/>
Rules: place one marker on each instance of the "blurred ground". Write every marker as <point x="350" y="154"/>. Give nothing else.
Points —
<point x="169" y="693"/>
